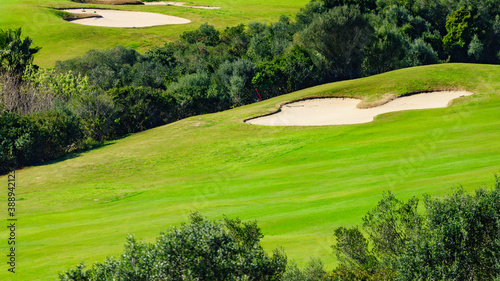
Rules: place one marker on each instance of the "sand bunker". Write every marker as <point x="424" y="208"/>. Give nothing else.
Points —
<point x="180" y="4"/>
<point x="340" y="111"/>
<point x="115" y="18"/>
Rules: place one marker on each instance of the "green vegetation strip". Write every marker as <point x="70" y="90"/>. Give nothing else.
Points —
<point x="299" y="183"/>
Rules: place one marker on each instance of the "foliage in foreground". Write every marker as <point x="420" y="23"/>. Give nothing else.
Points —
<point x="200" y="250"/>
<point x="457" y="238"/>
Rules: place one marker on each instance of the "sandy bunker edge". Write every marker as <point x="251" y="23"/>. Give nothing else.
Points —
<point x="122" y="18"/>
<point x="324" y="111"/>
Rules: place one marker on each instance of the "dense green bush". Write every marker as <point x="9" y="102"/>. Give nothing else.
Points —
<point x="236" y="40"/>
<point x="339" y="36"/>
<point x="200" y="250"/>
<point x="55" y="133"/>
<point x="205" y="34"/>
<point x="269" y="79"/>
<point x="15" y="142"/>
<point x="97" y="113"/>
<point x="36" y="138"/>
<point x="420" y="53"/>
<point x="106" y="69"/>
<point x="313" y="271"/>
<point x="386" y="51"/>
<point x="140" y="108"/>
<point x="234" y="79"/>
<point x="457" y="238"/>
<point x="460" y="239"/>
<point x="191" y="92"/>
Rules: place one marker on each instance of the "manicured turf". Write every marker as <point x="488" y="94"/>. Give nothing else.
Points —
<point x="62" y="40"/>
<point x="299" y="183"/>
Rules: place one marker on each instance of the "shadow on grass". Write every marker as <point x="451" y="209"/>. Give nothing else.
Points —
<point x="76" y="154"/>
<point x="69" y="155"/>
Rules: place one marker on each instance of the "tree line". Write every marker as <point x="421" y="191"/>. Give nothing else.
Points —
<point x="457" y="237"/>
<point x="111" y="93"/>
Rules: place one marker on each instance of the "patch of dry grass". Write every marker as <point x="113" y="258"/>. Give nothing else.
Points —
<point x="71" y="16"/>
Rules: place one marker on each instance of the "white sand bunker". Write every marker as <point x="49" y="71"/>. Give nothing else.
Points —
<point x="342" y="111"/>
<point x="115" y="18"/>
<point x="180" y="4"/>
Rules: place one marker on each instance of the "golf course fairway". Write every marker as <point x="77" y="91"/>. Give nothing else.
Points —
<point x="298" y="182"/>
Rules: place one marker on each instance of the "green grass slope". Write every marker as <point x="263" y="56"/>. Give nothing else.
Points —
<point x="63" y="40"/>
<point x="299" y="183"/>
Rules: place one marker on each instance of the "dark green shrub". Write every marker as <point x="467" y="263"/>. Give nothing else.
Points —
<point x="200" y="250"/>
<point x="386" y="51"/>
<point x="235" y="78"/>
<point x="193" y="96"/>
<point x="106" y="69"/>
<point x="37" y="138"/>
<point x="313" y="271"/>
<point x="458" y="238"/>
<point x="140" y="108"/>
<point x="205" y="34"/>
<point x="15" y="53"/>
<point x="97" y="113"/>
<point x="236" y="39"/>
<point x="55" y="133"/>
<point x="339" y="36"/>
<point x="15" y="141"/>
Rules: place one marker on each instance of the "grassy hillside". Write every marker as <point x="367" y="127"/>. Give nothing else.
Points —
<point x="62" y="40"/>
<point x="299" y="183"/>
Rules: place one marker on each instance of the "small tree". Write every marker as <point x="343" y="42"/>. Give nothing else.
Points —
<point x="97" y="112"/>
<point x="460" y="28"/>
<point x="235" y="78"/>
<point x="339" y="35"/>
<point x="140" y="108"/>
<point x="15" y="53"/>
<point x="460" y="241"/>
<point x="313" y="271"/>
<point x="386" y="51"/>
<point x="458" y="238"/>
<point x="206" y="34"/>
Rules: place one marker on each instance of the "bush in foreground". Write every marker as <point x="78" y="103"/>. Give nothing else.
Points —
<point x="200" y="250"/>
<point x="457" y="238"/>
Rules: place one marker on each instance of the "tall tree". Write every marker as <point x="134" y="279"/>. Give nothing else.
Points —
<point x="15" y="53"/>
<point x="339" y="36"/>
<point x="386" y="51"/>
<point x="460" y="31"/>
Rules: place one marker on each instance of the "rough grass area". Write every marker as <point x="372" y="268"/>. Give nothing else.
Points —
<point x="299" y="183"/>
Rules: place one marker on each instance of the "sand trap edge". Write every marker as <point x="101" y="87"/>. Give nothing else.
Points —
<point x="383" y="101"/>
<point x="118" y="20"/>
<point x="301" y="99"/>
